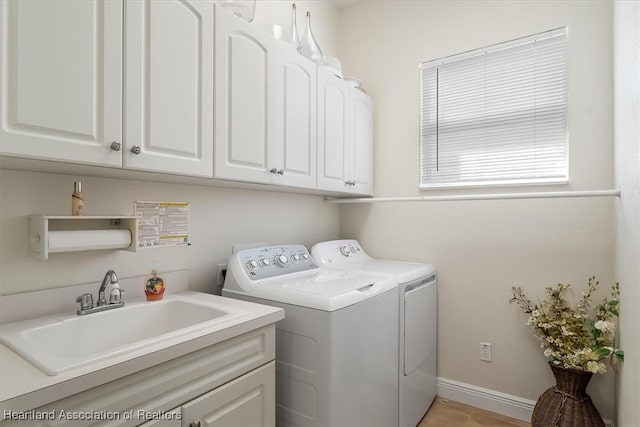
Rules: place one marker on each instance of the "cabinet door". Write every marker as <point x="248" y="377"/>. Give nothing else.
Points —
<point x="245" y="89"/>
<point x="61" y="81"/>
<point x="295" y="142"/>
<point x="169" y="86"/>
<point x="245" y="401"/>
<point x="361" y="138"/>
<point x="333" y="132"/>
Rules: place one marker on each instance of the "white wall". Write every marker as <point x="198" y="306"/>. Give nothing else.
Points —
<point x="627" y="161"/>
<point x="483" y="248"/>
<point x="323" y="19"/>
<point x="220" y="217"/>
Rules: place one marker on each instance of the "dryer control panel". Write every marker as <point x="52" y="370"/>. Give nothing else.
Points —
<point x="338" y="253"/>
<point x="272" y="261"/>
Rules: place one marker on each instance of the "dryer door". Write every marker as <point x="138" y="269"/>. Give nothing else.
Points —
<point x="420" y="316"/>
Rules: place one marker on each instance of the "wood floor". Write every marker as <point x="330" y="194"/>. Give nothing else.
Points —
<point x="446" y="413"/>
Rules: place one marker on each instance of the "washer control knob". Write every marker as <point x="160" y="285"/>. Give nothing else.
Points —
<point x="344" y="250"/>
<point x="253" y="264"/>
<point x="353" y="249"/>
<point x="282" y="260"/>
<point x="296" y="258"/>
<point x="266" y="262"/>
<point x="305" y="256"/>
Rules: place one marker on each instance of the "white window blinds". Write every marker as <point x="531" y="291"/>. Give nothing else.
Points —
<point x="496" y="115"/>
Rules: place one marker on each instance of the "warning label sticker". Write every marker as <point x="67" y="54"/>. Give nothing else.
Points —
<point x="162" y="224"/>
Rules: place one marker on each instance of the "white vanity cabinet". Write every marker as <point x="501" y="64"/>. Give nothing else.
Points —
<point x="345" y="136"/>
<point x="246" y="401"/>
<point x="228" y="384"/>
<point x="61" y="86"/>
<point x="265" y="107"/>
<point x="62" y="97"/>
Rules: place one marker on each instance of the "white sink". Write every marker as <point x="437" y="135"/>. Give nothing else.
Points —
<point x="60" y="343"/>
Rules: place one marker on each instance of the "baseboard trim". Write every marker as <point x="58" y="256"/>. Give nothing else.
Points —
<point x="484" y="398"/>
<point x="490" y="400"/>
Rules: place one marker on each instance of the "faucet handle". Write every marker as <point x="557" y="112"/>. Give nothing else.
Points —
<point x="86" y="301"/>
<point x="115" y="296"/>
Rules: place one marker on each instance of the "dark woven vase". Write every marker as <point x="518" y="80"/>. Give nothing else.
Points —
<point x="567" y="404"/>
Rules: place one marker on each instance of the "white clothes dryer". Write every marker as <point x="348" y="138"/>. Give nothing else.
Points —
<point x="417" y="327"/>
<point x="336" y="348"/>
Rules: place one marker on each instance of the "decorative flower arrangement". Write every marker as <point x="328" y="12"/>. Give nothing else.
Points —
<point x="574" y="338"/>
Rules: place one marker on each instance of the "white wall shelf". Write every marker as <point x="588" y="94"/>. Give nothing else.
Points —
<point x="54" y="234"/>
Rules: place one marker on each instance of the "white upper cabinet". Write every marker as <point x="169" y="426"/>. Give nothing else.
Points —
<point x="361" y="153"/>
<point x="245" y="109"/>
<point x="178" y="87"/>
<point x="62" y="97"/>
<point x="345" y="136"/>
<point x="169" y="86"/>
<point x="295" y="143"/>
<point x="265" y="107"/>
<point x="61" y="81"/>
<point x="333" y="132"/>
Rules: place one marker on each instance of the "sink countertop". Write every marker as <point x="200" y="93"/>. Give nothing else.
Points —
<point x="24" y="387"/>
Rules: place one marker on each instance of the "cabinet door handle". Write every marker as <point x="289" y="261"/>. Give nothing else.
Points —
<point x="276" y="171"/>
<point x="115" y="146"/>
<point x="135" y="149"/>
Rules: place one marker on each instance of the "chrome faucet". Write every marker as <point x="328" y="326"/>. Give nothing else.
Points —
<point x="115" y="296"/>
<point x="109" y="278"/>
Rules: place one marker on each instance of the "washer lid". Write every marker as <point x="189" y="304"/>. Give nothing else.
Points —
<point x="327" y="290"/>
<point x="325" y="283"/>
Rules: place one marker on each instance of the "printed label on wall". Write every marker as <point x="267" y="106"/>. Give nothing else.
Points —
<point x="162" y="224"/>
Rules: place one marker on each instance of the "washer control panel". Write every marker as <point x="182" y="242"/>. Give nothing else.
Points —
<point x="271" y="261"/>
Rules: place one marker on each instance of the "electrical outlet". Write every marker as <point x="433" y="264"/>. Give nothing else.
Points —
<point x="222" y="274"/>
<point x="485" y="351"/>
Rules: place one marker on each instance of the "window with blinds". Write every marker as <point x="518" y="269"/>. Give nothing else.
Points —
<point x="496" y="115"/>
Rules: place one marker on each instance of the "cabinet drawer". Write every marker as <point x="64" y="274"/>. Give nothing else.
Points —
<point x="161" y="388"/>
<point x="246" y="401"/>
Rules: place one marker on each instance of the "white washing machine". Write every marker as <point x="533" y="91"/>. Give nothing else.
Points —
<point x="417" y="337"/>
<point x="336" y="348"/>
